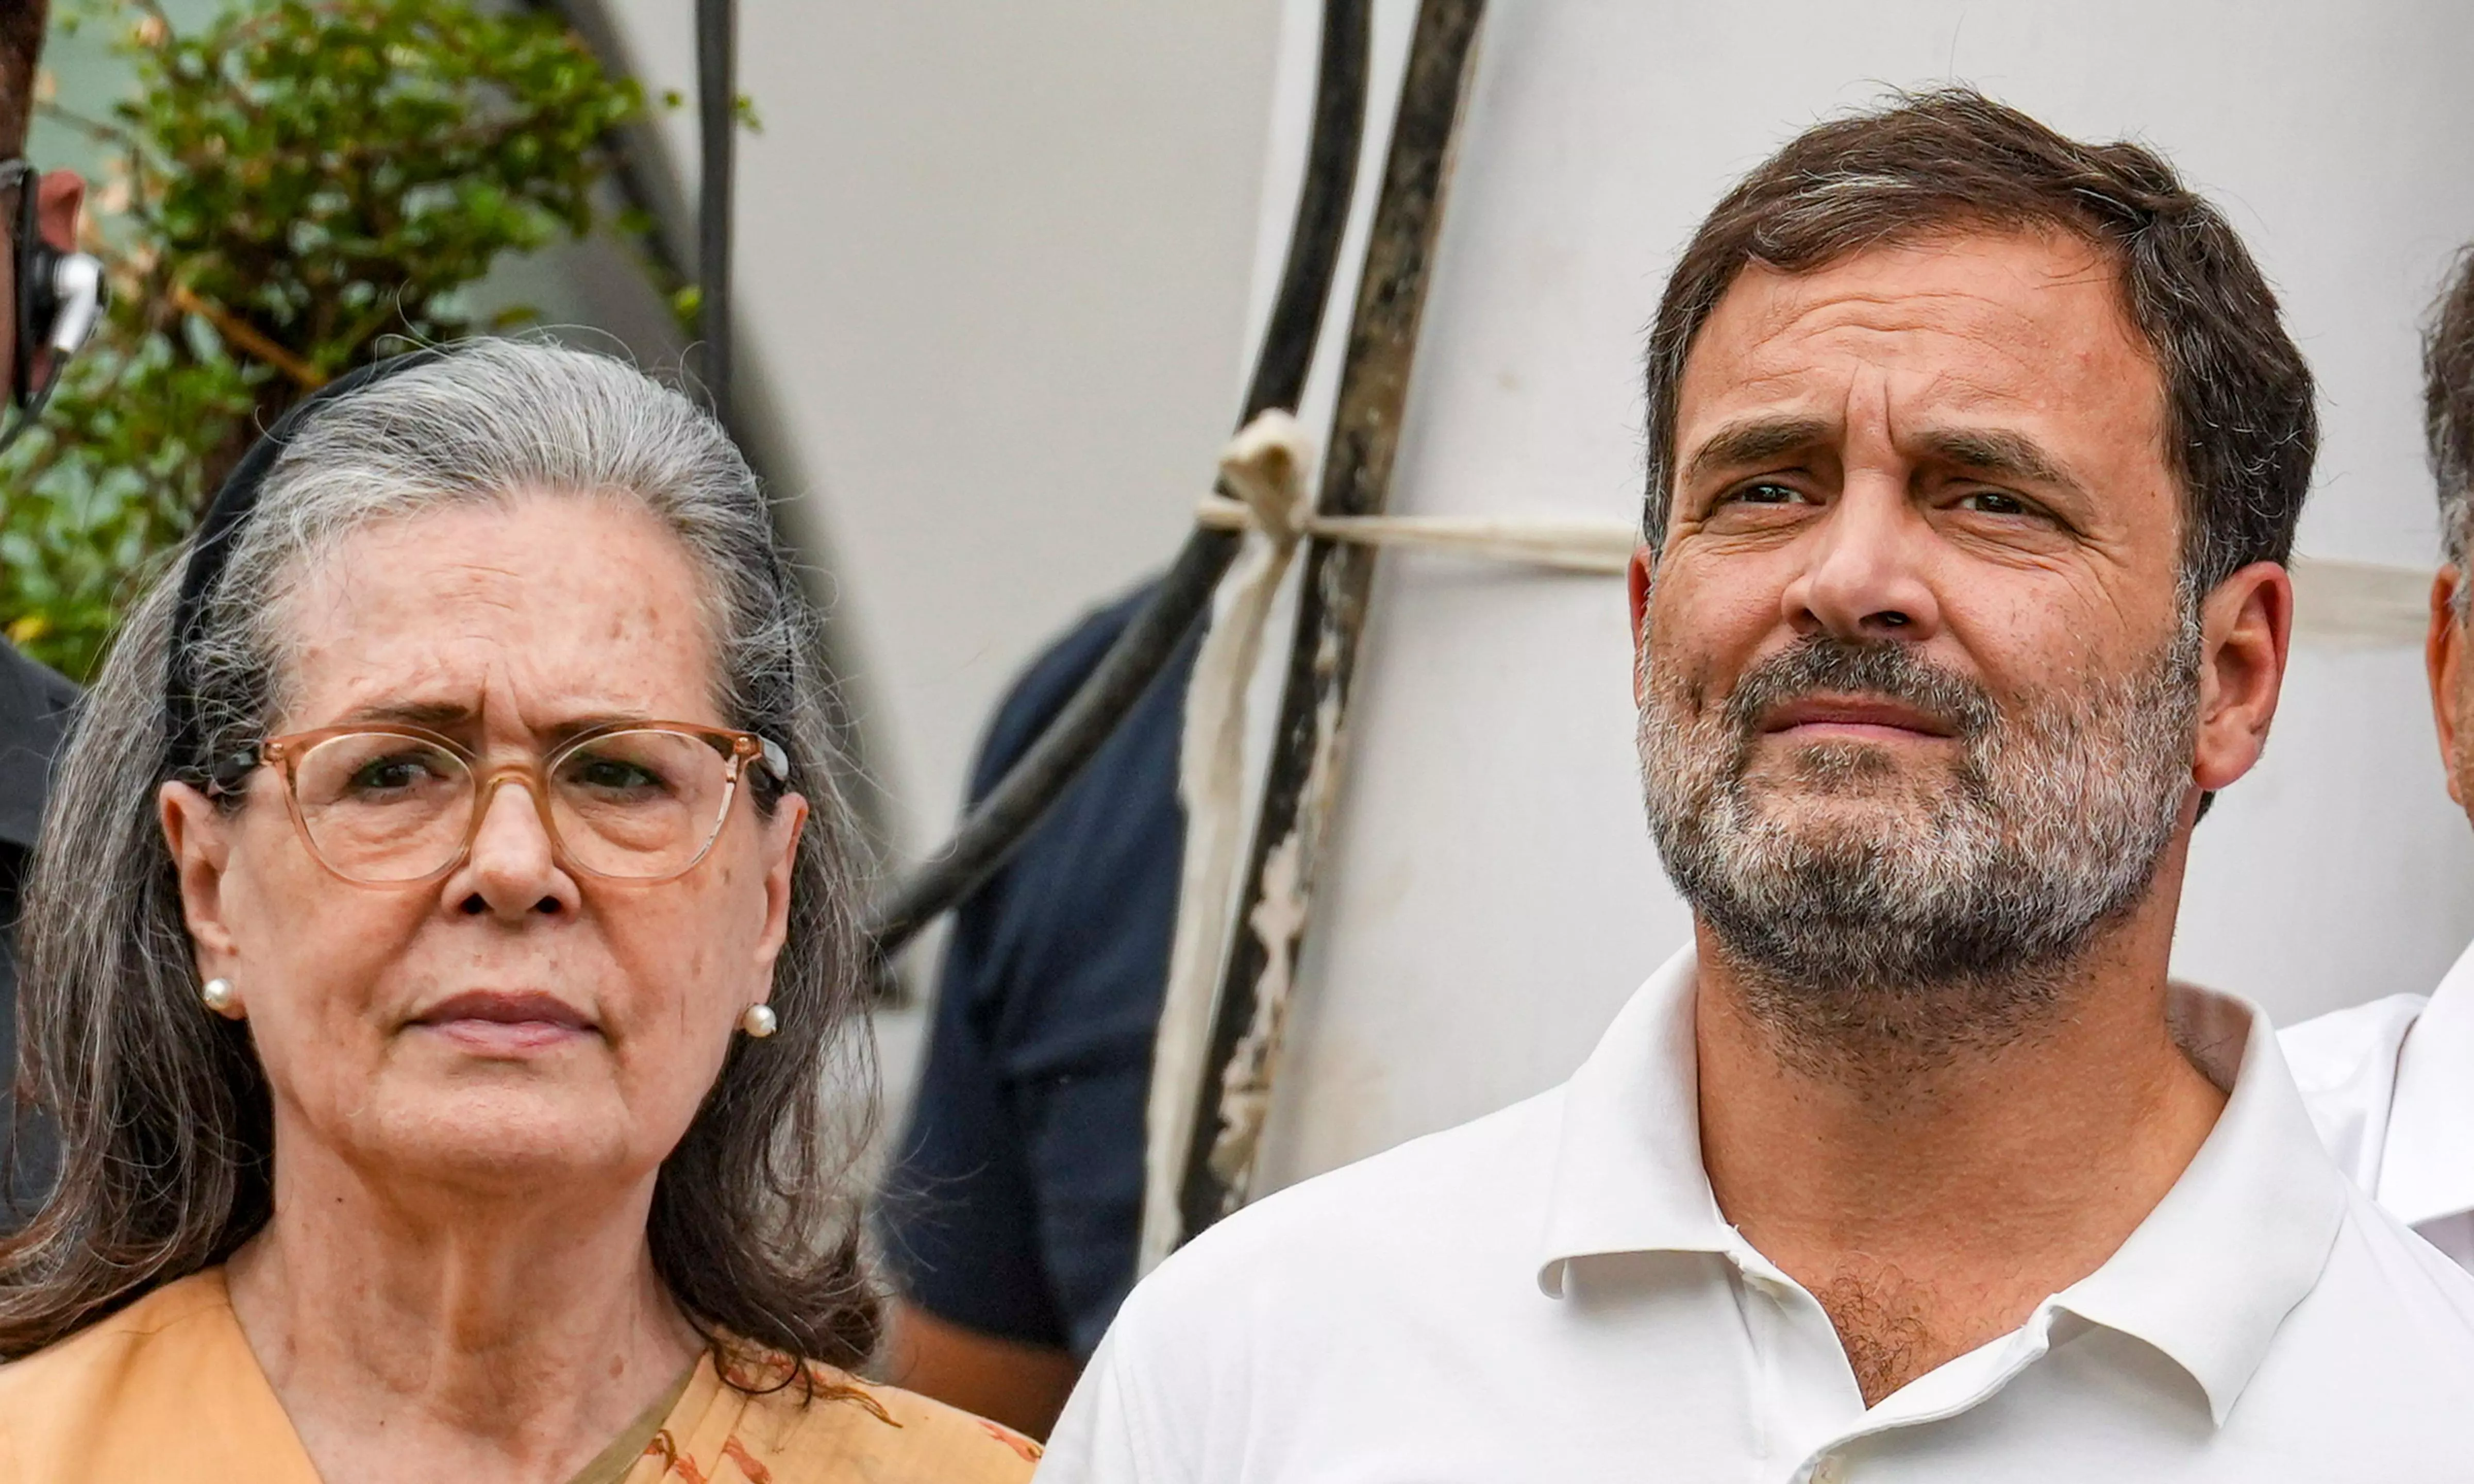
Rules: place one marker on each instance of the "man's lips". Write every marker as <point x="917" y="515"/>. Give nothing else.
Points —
<point x="492" y="1022"/>
<point x="1852" y="716"/>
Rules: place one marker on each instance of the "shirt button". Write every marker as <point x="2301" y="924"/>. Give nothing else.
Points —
<point x="1830" y="1468"/>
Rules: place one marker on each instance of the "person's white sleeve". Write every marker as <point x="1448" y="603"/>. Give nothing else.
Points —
<point x="1111" y="1430"/>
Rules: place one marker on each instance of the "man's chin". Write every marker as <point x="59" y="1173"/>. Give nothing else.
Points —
<point x="1847" y="766"/>
<point x="1870" y="813"/>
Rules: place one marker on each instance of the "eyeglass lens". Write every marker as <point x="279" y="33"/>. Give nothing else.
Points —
<point x="381" y="807"/>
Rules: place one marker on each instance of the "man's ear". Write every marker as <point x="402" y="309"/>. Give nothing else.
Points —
<point x="58" y="197"/>
<point x="199" y="836"/>
<point x="2246" y="628"/>
<point x="1636" y="580"/>
<point x="2443" y="658"/>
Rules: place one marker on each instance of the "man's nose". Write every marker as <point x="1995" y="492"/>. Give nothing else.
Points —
<point x="1864" y="578"/>
<point x="513" y="870"/>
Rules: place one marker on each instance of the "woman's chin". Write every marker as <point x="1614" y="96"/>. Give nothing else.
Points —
<point x="519" y="1140"/>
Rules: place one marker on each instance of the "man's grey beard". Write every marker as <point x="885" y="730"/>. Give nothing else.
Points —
<point x="1943" y="915"/>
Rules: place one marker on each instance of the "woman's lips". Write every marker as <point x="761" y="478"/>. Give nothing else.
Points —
<point x="491" y="1023"/>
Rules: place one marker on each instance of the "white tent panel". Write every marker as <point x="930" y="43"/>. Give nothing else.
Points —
<point x="1491" y="895"/>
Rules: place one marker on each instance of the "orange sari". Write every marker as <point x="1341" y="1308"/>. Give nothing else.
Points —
<point x="168" y="1391"/>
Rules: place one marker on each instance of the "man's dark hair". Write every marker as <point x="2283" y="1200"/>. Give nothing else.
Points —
<point x="21" y="48"/>
<point x="2448" y="410"/>
<point x="2239" y="422"/>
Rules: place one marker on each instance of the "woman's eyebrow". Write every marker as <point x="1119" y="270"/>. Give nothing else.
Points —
<point x="448" y="715"/>
<point x="436" y="715"/>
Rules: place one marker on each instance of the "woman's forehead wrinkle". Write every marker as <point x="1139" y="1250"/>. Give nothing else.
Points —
<point x="526" y="614"/>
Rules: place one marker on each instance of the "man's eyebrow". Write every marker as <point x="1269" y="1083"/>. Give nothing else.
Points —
<point x="1752" y="440"/>
<point x="1998" y="453"/>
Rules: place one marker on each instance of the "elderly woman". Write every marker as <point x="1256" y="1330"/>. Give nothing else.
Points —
<point x="440" y="963"/>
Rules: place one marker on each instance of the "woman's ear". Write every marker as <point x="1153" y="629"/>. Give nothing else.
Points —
<point x="782" y="834"/>
<point x="199" y="836"/>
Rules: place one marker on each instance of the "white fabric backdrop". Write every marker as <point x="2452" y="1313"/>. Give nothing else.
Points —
<point x="1492" y="896"/>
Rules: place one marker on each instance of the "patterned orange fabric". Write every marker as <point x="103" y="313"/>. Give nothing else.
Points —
<point x="833" y="1429"/>
<point x="168" y="1391"/>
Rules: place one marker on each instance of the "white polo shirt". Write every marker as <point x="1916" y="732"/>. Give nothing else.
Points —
<point x="1550" y="1293"/>
<point x="2391" y="1085"/>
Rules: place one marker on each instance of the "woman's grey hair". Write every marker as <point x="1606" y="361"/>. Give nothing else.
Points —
<point x="166" y="1130"/>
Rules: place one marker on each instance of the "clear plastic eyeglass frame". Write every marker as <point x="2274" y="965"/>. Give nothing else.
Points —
<point x="734" y="750"/>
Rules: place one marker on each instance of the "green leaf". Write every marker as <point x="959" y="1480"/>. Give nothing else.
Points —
<point x="308" y="182"/>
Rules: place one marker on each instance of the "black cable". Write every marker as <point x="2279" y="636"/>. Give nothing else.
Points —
<point x="716" y="119"/>
<point x="1007" y="814"/>
<point x="32" y="411"/>
<point x="1336" y="583"/>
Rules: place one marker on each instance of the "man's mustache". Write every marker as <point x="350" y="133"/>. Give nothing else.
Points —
<point x="1883" y="670"/>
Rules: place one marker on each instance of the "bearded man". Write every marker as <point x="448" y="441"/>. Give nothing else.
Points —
<point x="1975" y="455"/>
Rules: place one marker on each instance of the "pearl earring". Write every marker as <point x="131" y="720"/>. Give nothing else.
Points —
<point x="222" y="998"/>
<point x="759" y="1022"/>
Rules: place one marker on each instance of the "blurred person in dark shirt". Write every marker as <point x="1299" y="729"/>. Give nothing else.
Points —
<point x="33" y="702"/>
<point x="34" y="711"/>
<point x="1013" y="1210"/>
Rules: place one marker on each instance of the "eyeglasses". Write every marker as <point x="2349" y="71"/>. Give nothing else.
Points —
<point x="397" y="805"/>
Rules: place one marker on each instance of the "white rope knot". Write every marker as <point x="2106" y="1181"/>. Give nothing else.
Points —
<point x="1267" y="464"/>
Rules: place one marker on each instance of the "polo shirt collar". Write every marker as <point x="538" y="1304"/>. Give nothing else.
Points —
<point x="2427" y="1168"/>
<point x="2241" y="1236"/>
<point x="2206" y="1279"/>
<point x="1627" y="1173"/>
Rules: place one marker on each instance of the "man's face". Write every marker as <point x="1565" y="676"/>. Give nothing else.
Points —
<point x="59" y="196"/>
<point x="1918" y="684"/>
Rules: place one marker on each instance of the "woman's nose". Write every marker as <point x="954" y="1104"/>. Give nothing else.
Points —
<point x="1865" y="576"/>
<point x="513" y="869"/>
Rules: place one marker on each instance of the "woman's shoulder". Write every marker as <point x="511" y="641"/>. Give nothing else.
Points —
<point x="180" y="1316"/>
<point x="842" y="1428"/>
<point x="169" y="1377"/>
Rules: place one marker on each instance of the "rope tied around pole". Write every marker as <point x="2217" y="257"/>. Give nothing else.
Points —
<point x="1269" y="465"/>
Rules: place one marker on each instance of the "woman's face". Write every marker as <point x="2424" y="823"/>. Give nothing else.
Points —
<point x="514" y="1019"/>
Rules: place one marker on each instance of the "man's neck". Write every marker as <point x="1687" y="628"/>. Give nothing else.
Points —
<point x="1931" y="1204"/>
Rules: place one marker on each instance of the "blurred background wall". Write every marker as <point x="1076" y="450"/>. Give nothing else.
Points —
<point x="997" y="265"/>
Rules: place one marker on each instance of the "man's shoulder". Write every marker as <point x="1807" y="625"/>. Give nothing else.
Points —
<point x="1467" y="1200"/>
<point x="2378" y="1357"/>
<point x="2377" y="1253"/>
<point x="2391" y="1299"/>
<point x="2344" y="1063"/>
<point x="2331" y="1050"/>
